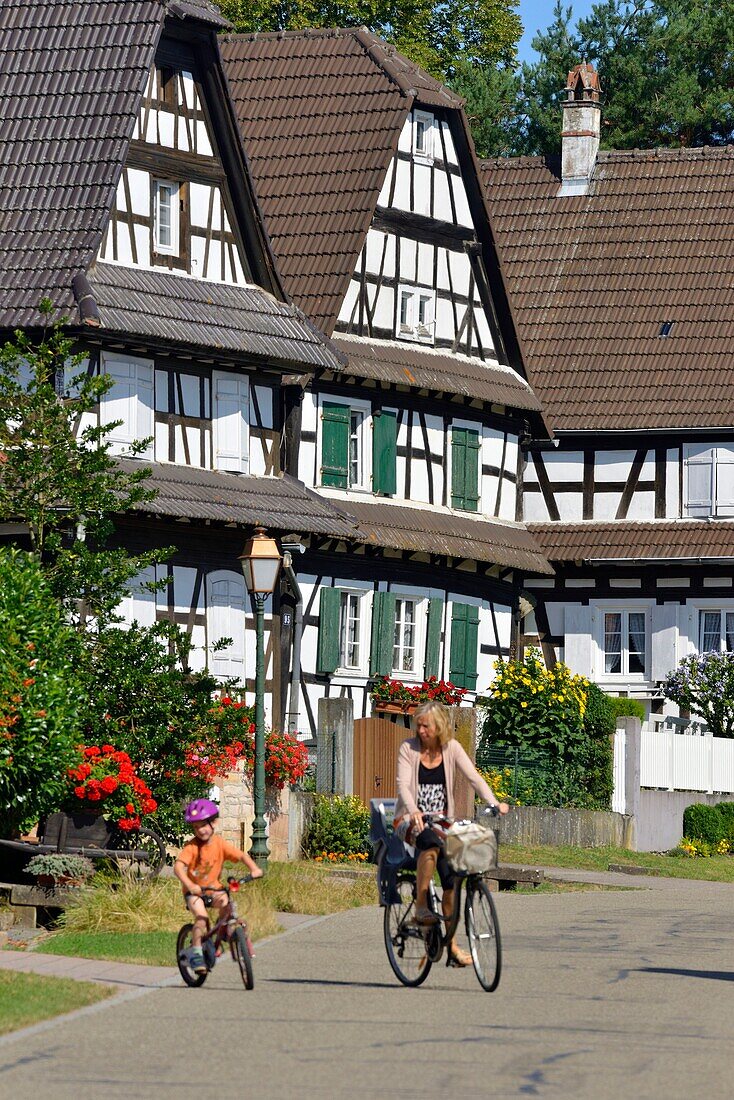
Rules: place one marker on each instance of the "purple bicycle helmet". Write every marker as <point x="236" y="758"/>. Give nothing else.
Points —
<point x="201" y="809"/>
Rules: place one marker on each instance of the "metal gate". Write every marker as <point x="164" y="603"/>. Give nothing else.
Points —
<point x="376" y="744"/>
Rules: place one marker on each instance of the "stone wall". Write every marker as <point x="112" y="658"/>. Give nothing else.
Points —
<point x="581" y="828"/>
<point x="287" y="814"/>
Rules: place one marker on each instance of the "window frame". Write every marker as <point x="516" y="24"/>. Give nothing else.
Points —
<point x="363" y="409"/>
<point x="427" y="153"/>
<point x="160" y="249"/>
<point x="410" y="329"/>
<point x="419" y="603"/>
<point x="363" y="595"/>
<point x="722" y="612"/>
<point x="602" y="610"/>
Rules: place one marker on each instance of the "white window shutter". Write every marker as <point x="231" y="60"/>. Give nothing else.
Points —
<point x="725" y="481"/>
<point x="664" y="639"/>
<point x="130" y="400"/>
<point x="225" y="617"/>
<point x="140" y="603"/>
<point x="578" y="640"/>
<point x="230" y="419"/>
<point x="699" y="481"/>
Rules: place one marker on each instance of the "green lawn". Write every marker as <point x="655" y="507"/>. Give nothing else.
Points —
<point x="150" y="948"/>
<point x="27" y="998"/>
<point x="715" y="869"/>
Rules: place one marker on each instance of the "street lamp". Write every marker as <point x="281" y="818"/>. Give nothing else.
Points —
<point x="260" y="561"/>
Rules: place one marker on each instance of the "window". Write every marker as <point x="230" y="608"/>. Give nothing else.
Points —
<point x="344" y="454"/>
<point x="129" y="403"/>
<point x="350" y="630"/>
<point x="423" y="134"/>
<point x="230" y="421"/>
<point x="404" y="648"/>
<point x="709" y="480"/>
<point x="464" y="645"/>
<point x="465" y="468"/>
<point x="624" y="643"/>
<point x="166" y="218"/>
<point x="716" y="631"/>
<point x="417" y="309"/>
<point x="225" y="622"/>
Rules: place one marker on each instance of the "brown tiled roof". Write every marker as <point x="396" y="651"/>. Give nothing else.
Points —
<point x="421" y="368"/>
<point x="636" y="541"/>
<point x="278" y="502"/>
<point x="593" y="278"/>
<point x="320" y="113"/>
<point x="218" y="316"/>
<point x="448" y="534"/>
<point x="72" y="79"/>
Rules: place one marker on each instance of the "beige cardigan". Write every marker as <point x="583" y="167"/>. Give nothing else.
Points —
<point x="454" y="756"/>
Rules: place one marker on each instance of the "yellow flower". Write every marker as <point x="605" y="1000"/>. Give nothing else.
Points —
<point x="523" y="704"/>
<point x="504" y="694"/>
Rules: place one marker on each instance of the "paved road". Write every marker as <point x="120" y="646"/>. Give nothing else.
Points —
<point x="609" y="994"/>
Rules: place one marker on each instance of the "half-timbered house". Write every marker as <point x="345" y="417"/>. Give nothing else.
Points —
<point x="127" y="201"/>
<point x="372" y="198"/>
<point x="618" y="267"/>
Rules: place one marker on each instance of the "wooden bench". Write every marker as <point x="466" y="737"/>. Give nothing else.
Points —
<point x="507" y="877"/>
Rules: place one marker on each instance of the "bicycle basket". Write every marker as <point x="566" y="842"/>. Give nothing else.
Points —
<point x="470" y="848"/>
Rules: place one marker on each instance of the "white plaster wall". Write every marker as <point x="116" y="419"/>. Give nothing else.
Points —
<point x="564" y="465"/>
<point x="570" y="506"/>
<point x="606" y="505"/>
<point x="642" y="506"/>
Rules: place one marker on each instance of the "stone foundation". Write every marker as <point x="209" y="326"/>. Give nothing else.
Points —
<point x="236" y="814"/>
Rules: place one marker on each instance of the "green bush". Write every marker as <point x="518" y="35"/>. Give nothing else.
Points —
<point x="339" y="825"/>
<point x="596" y="755"/>
<point x="702" y="822"/>
<point x="623" y="707"/>
<point x="726" y="811"/>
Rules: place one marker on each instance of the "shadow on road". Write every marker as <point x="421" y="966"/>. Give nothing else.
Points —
<point x="329" y="981"/>
<point x="717" y="975"/>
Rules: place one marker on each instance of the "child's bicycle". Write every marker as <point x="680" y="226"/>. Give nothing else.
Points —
<point x="413" y="948"/>
<point x="232" y="929"/>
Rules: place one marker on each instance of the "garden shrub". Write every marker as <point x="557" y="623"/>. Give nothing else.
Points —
<point x="338" y="825"/>
<point x="726" y="809"/>
<point x="558" y="724"/>
<point x="702" y="822"/>
<point x="623" y="707"/>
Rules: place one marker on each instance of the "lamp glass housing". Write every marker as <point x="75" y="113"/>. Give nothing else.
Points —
<point x="260" y="561"/>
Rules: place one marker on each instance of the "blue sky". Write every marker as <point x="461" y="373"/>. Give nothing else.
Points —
<point x="537" y="14"/>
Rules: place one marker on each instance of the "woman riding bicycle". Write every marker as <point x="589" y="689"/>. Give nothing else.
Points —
<point x="427" y="766"/>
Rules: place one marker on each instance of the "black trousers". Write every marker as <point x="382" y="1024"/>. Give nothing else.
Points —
<point x="428" y="839"/>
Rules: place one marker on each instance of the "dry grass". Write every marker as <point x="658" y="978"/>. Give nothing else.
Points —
<point x="153" y="905"/>
<point x="311" y="888"/>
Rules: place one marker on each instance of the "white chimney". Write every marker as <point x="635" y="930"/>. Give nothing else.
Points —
<point x="581" y="129"/>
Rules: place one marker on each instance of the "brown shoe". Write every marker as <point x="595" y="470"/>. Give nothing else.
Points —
<point x="457" y="957"/>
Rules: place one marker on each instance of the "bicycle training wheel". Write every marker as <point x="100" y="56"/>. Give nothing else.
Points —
<point x="483" y="932"/>
<point x="187" y="972"/>
<point x="404" y="940"/>
<point x="241" y="955"/>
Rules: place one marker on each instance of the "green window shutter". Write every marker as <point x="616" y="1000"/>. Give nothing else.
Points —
<point x="383" y="633"/>
<point x="327" y="659"/>
<point x="464" y="645"/>
<point x="384" y="452"/>
<point x="335" y="420"/>
<point x="465" y="469"/>
<point x="433" y="637"/>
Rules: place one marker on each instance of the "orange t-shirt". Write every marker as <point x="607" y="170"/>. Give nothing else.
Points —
<point x="204" y="860"/>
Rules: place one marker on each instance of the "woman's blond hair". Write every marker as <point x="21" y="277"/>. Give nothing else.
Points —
<point x="441" y="720"/>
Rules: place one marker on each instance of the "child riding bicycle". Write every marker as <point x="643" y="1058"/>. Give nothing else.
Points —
<point x="199" y="868"/>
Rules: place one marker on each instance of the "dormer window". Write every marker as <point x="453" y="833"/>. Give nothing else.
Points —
<point x="423" y="131"/>
<point x="416" y="314"/>
<point x="166" y="229"/>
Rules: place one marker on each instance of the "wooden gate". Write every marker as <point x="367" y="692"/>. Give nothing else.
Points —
<point x="376" y="744"/>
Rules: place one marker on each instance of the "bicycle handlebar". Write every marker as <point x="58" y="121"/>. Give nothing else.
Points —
<point x="488" y="811"/>
<point x="232" y="883"/>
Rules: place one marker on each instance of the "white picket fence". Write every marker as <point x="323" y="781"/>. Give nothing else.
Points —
<point x="674" y="761"/>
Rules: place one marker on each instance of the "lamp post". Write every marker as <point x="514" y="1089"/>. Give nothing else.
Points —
<point x="260" y="561"/>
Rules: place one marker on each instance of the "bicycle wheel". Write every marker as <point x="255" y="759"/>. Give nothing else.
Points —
<point x="483" y="932"/>
<point x="147" y="852"/>
<point x="185" y="968"/>
<point x="404" y="940"/>
<point x="241" y="955"/>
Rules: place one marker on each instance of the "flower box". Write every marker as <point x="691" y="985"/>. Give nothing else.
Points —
<point x="390" y="708"/>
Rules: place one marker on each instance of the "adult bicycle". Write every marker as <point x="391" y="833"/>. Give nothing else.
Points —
<point x="412" y="947"/>
<point x="230" y="929"/>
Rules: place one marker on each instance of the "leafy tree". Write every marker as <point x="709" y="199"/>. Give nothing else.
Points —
<point x="436" y="36"/>
<point x="61" y="482"/>
<point x="703" y="683"/>
<point x="665" y="67"/>
<point x="491" y="94"/>
<point x="40" y="699"/>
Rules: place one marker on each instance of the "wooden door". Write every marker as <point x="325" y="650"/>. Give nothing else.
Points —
<point x="376" y="744"/>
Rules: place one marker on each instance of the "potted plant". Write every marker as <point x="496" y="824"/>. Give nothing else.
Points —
<point x="390" y="696"/>
<point x="396" y="697"/>
<point x="59" y="869"/>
